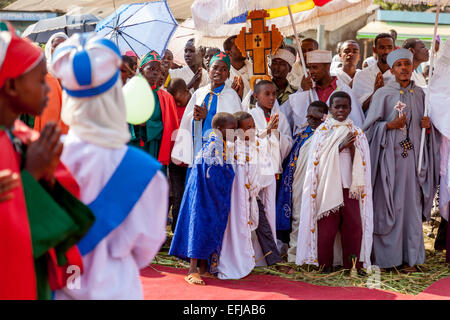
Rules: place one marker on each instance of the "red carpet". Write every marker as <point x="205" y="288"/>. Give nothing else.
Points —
<point x="167" y="283"/>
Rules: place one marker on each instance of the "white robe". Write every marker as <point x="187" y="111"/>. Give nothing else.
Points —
<point x="111" y="270"/>
<point x="296" y="107"/>
<point x="440" y="116"/>
<point x="183" y="149"/>
<point x="246" y="73"/>
<point x="186" y="74"/>
<point x="343" y="76"/>
<point x="365" y="80"/>
<point x="419" y="79"/>
<point x="241" y="250"/>
<point x="282" y="143"/>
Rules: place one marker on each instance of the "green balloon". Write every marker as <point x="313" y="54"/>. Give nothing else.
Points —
<point x="139" y="100"/>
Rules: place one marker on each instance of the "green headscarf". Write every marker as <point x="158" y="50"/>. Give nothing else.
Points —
<point x="221" y="56"/>
<point x="149" y="57"/>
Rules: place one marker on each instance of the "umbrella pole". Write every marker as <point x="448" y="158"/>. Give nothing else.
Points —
<point x="427" y="96"/>
<point x="299" y="48"/>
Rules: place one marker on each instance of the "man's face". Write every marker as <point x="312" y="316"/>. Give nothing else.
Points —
<point x="350" y="53"/>
<point x="56" y="42"/>
<point x="383" y="48"/>
<point x="125" y="72"/>
<point x="340" y="109"/>
<point x="318" y="70"/>
<point x="280" y="68"/>
<point x="314" y="117"/>
<point x="402" y="70"/>
<point x="235" y="54"/>
<point x="218" y="72"/>
<point x="266" y="96"/>
<point x="29" y="91"/>
<point x="421" y="52"/>
<point x="308" y="46"/>
<point x="167" y="60"/>
<point x="191" y="56"/>
<point x="152" y="72"/>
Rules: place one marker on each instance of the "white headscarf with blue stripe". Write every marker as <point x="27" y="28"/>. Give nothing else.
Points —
<point x="93" y="104"/>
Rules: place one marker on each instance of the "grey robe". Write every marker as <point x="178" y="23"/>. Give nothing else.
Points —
<point x="401" y="197"/>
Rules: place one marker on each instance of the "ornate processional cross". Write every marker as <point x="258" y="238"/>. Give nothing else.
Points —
<point x="259" y="42"/>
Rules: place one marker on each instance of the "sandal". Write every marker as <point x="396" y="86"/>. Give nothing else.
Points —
<point x="194" y="278"/>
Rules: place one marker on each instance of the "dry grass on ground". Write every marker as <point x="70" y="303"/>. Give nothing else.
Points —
<point x="434" y="269"/>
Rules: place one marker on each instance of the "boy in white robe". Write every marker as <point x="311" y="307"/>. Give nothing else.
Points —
<point x="337" y="193"/>
<point x="289" y="197"/>
<point x="130" y="217"/>
<point x="249" y="238"/>
<point x="350" y="57"/>
<point x="318" y="63"/>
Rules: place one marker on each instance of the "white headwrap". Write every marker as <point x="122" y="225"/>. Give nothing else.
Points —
<point x="48" y="48"/>
<point x="93" y="104"/>
<point x="319" y="56"/>
<point x="100" y="120"/>
<point x="285" y="55"/>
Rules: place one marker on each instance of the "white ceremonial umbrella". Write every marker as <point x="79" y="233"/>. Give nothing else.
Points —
<point x="215" y="20"/>
<point x="438" y="4"/>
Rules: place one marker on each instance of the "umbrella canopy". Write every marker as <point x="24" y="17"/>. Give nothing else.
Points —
<point x="306" y="15"/>
<point x="140" y="27"/>
<point x="42" y="30"/>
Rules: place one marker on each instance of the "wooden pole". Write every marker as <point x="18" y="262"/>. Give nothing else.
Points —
<point x="299" y="48"/>
<point x="427" y="96"/>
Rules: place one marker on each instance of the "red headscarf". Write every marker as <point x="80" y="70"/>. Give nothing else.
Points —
<point x="17" y="55"/>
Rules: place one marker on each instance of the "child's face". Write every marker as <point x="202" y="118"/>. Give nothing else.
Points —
<point x="266" y="96"/>
<point x="340" y="109"/>
<point x="230" y="125"/>
<point x="125" y="72"/>
<point x="314" y="117"/>
<point x="218" y="73"/>
<point x="247" y="124"/>
<point x="29" y="91"/>
<point x="182" y="98"/>
<point x="152" y="72"/>
<point x="209" y="54"/>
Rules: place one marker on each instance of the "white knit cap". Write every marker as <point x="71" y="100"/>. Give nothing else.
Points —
<point x="87" y="64"/>
<point x="285" y="55"/>
<point x="319" y="56"/>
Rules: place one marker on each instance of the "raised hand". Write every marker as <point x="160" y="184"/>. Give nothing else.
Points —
<point x="42" y="156"/>
<point x="196" y="79"/>
<point x="307" y="83"/>
<point x="273" y="123"/>
<point x="379" y="82"/>
<point x="348" y="142"/>
<point x="8" y="182"/>
<point x="200" y="112"/>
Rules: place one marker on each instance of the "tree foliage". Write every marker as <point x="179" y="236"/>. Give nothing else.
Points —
<point x="402" y="7"/>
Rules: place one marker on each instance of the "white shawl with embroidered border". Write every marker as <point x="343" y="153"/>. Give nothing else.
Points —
<point x="314" y="206"/>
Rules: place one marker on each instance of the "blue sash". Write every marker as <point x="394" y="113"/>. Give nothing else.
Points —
<point x="119" y="196"/>
<point x="284" y="201"/>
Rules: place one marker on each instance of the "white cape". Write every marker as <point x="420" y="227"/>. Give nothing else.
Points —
<point x="307" y="234"/>
<point x="183" y="150"/>
<point x="111" y="270"/>
<point x="364" y="81"/>
<point x="295" y="108"/>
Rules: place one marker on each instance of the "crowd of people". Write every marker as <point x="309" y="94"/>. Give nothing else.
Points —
<point x="315" y="166"/>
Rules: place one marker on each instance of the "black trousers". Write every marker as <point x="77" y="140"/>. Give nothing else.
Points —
<point x="177" y="177"/>
<point x="265" y="237"/>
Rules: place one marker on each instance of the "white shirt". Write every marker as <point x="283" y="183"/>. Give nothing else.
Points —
<point x="346" y="165"/>
<point x="365" y="80"/>
<point x="343" y="76"/>
<point x="186" y="74"/>
<point x="246" y="73"/>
